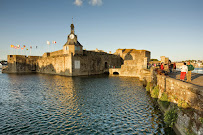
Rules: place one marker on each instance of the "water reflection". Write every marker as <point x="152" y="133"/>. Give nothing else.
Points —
<point x="39" y="103"/>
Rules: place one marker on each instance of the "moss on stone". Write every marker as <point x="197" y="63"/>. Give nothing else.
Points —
<point x="183" y="104"/>
<point x="189" y="132"/>
<point x="164" y="101"/>
<point x="170" y="117"/>
<point x="201" y="120"/>
<point x="148" y="87"/>
<point x="155" y="92"/>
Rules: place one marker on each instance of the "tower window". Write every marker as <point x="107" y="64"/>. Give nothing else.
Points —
<point x="67" y="48"/>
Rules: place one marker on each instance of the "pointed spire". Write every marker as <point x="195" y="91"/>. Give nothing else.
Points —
<point x="72" y="27"/>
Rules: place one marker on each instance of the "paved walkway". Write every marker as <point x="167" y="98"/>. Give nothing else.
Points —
<point x="197" y="79"/>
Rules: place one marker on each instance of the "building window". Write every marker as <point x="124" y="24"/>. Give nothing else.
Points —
<point x="77" y="64"/>
<point x="77" y="48"/>
<point x="67" y="48"/>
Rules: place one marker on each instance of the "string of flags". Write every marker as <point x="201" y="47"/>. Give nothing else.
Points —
<point x="24" y="47"/>
<point x="53" y="42"/>
<point x="17" y="47"/>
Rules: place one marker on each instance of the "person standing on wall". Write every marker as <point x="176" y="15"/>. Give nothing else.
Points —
<point x="184" y="70"/>
<point x="174" y="67"/>
<point x="162" y="68"/>
<point x="170" y="66"/>
<point x="190" y="68"/>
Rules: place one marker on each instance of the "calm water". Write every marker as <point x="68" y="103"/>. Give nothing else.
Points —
<point x="196" y="70"/>
<point x="40" y="103"/>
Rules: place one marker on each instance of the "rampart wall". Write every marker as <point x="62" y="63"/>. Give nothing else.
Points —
<point x="132" y="68"/>
<point x="186" y="98"/>
<point x="136" y="66"/>
<point x="21" y="64"/>
<point x="86" y="63"/>
<point x="61" y="65"/>
<point x="181" y="91"/>
<point x="94" y="62"/>
<point x="56" y="53"/>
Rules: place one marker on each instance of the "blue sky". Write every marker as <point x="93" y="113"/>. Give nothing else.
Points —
<point x="172" y="28"/>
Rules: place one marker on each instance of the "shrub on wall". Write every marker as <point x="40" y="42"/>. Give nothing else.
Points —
<point x="170" y="117"/>
<point x="164" y="100"/>
<point x="201" y="119"/>
<point x="155" y="92"/>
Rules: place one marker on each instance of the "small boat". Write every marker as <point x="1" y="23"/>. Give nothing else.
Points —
<point x="0" y="66"/>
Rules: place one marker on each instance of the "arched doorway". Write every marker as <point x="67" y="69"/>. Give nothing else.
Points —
<point x="115" y="73"/>
<point x="106" y="65"/>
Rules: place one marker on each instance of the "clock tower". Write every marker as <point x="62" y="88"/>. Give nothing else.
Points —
<point x="72" y="45"/>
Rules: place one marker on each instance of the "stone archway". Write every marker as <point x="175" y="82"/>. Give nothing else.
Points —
<point x="115" y="73"/>
<point x="128" y="57"/>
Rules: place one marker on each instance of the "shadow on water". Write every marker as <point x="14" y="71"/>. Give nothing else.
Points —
<point x="41" y="103"/>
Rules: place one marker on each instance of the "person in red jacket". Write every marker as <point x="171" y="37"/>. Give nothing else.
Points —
<point x="162" y="67"/>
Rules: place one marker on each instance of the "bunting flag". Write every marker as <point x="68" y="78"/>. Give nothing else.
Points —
<point x="24" y="46"/>
<point x="15" y="47"/>
<point x="18" y="46"/>
<point x="30" y="47"/>
<point x="54" y="42"/>
<point x="12" y="46"/>
<point x="27" y="49"/>
<point x="48" y="43"/>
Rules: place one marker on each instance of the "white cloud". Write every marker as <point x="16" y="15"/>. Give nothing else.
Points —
<point x="95" y="2"/>
<point x="78" y="2"/>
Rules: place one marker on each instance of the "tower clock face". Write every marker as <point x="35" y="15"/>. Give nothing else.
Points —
<point x="72" y="36"/>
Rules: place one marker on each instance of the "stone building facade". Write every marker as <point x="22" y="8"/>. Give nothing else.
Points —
<point x="72" y="60"/>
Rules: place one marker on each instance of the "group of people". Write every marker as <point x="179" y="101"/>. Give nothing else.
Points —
<point x="171" y="67"/>
<point x="186" y="69"/>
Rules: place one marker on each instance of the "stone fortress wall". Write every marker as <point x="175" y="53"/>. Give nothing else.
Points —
<point x="89" y="63"/>
<point x="183" y="93"/>
<point x="94" y="63"/>
<point x="187" y="96"/>
<point x="21" y="63"/>
<point x="61" y="65"/>
<point x="135" y="62"/>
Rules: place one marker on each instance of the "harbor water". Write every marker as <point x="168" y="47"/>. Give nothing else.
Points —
<point x="52" y="104"/>
<point x="198" y="70"/>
